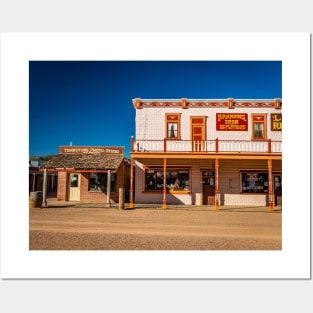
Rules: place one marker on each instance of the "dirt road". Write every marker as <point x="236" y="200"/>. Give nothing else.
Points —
<point x="154" y="229"/>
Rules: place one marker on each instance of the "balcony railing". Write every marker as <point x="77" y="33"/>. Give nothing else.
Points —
<point x="209" y="146"/>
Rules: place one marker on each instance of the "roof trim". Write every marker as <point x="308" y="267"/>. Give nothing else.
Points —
<point x="185" y="103"/>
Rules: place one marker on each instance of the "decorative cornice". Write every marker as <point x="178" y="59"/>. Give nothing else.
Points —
<point x="199" y="103"/>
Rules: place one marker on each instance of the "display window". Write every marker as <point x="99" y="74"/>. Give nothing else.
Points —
<point x="176" y="180"/>
<point x="256" y="182"/>
<point x="99" y="182"/>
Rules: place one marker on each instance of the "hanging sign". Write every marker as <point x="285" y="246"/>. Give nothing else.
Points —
<point x="238" y="121"/>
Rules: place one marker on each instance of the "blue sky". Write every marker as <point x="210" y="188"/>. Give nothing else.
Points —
<point x="90" y="102"/>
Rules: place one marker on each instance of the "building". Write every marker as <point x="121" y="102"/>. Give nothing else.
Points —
<point x="198" y="152"/>
<point x="90" y="173"/>
<point x="36" y="178"/>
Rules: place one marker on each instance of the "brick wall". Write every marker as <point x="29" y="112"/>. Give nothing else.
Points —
<point x="85" y="195"/>
<point x="246" y="200"/>
<point x="62" y="186"/>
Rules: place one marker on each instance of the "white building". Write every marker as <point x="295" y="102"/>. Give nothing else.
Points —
<point x="221" y="152"/>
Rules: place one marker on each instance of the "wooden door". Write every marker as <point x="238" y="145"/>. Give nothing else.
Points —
<point x="74" y="187"/>
<point x="278" y="189"/>
<point x="198" y="133"/>
<point x="208" y="187"/>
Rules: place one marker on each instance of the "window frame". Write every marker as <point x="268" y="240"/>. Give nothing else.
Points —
<point x="102" y="188"/>
<point x="262" y="121"/>
<point x="256" y="185"/>
<point x="172" y="118"/>
<point x="157" y="176"/>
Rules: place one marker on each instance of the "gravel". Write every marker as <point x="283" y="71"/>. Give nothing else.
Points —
<point x="154" y="229"/>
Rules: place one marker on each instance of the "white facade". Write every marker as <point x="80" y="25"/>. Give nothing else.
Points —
<point x="228" y="154"/>
<point x="150" y="123"/>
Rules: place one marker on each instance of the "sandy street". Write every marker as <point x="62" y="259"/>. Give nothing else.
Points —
<point x="154" y="229"/>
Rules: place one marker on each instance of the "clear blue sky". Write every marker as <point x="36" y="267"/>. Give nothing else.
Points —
<point x="90" y="102"/>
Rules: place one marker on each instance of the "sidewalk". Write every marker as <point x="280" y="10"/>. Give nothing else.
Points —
<point x="54" y="203"/>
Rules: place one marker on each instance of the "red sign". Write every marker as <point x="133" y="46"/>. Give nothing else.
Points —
<point x="226" y="121"/>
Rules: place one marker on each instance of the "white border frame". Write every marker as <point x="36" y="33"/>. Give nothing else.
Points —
<point x="294" y="259"/>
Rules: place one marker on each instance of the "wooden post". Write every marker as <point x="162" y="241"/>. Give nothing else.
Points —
<point x="217" y="192"/>
<point x="109" y="189"/>
<point x="44" y="189"/>
<point x="132" y="144"/>
<point x="121" y="198"/>
<point x="164" y="184"/>
<point x="34" y="181"/>
<point x="270" y="186"/>
<point x="131" y="187"/>
<point x="269" y="145"/>
<point x="164" y="145"/>
<point x="216" y="145"/>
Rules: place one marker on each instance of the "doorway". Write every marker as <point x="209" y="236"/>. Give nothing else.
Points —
<point x="208" y="187"/>
<point x="278" y="189"/>
<point x="198" y="133"/>
<point x="74" y="187"/>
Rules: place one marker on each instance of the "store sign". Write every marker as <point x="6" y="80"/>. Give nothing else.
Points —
<point x="238" y="121"/>
<point x="276" y="122"/>
<point x="90" y="149"/>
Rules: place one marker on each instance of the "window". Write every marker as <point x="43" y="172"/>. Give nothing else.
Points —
<point x="176" y="179"/>
<point x="254" y="182"/>
<point x="98" y="182"/>
<point x="258" y="126"/>
<point x="172" y="126"/>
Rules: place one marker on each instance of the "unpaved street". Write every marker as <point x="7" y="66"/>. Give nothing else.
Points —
<point x="154" y="229"/>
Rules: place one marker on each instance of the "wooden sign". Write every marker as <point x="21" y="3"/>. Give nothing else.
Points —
<point x="276" y="122"/>
<point x="91" y="149"/>
<point x="238" y="121"/>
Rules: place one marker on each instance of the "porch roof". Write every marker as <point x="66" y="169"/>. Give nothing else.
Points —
<point x="89" y="161"/>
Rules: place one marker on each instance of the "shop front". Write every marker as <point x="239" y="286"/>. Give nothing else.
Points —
<point x="90" y="174"/>
<point x="207" y="152"/>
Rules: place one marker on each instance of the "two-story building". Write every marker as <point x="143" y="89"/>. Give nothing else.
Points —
<point x="199" y="152"/>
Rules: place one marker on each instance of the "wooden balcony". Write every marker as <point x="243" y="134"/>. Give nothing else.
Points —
<point x="214" y="146"/>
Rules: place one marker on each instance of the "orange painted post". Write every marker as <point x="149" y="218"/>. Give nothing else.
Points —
<point x="270" y="186"/>
<point x="132" y="144"/>
<point x="217" y="192"/>
<point x="269" y="147"/>
<point x="131" y="187"/>
<point x="164" y="184"/>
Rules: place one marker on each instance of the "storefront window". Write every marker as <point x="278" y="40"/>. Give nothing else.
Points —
<point x="98" y="182"/>
<point x="175" y="179"/>
<point x="254" y="182"/>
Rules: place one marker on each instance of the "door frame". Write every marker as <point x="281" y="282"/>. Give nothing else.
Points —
<point x="201" y="123"/>
<point x="205" y="201"/>
<point x="77" y="198"/>
<point x="276" y="194"/>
